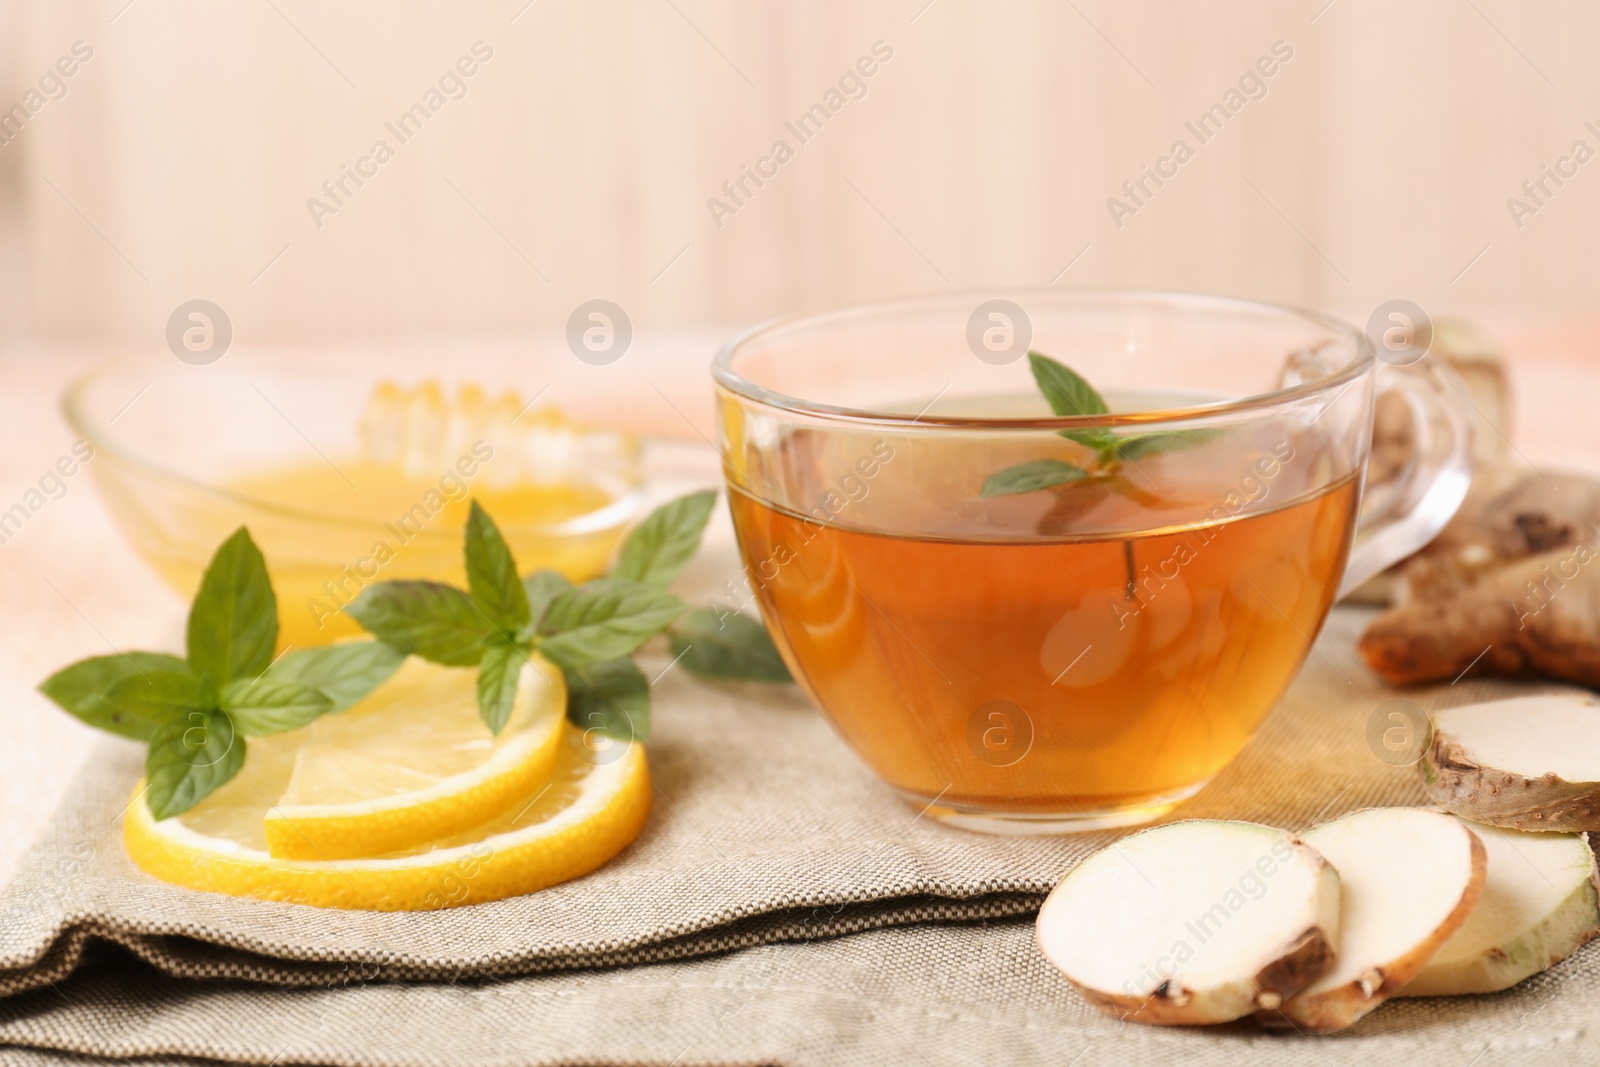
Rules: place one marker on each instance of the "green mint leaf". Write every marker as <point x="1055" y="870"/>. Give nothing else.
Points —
<point x="611" y="697"/>
<point x="260" y="706"/>
<point x="429" y="619"/>
<point x="81" y="689"/>
<point x="542" y="587"/>
<point x="190" y="756"/>
<point x="721" y="643"/>
<point x="492" y="574"/>
<point x="1030" y="477"/>
<point x="659" y="547"/>
<point x="159" y="696"/>
<point x="1066" y="391"/>
<point x="604" y="619"/>
<point x="1148" y="444"/>
<point x="1095" y="438"/>
<point x="233" y="623"/>
<point x="498" y="673"/>
<point x="346" y="672"/>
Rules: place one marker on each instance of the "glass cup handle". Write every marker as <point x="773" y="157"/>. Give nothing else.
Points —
<point x="1429" y="491"/>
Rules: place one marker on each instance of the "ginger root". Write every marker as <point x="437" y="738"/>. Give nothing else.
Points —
<point x="1506" y="588"/>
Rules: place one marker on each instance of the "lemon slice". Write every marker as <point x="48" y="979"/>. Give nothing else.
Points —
<point x="592" y="807"/>
<point x="411" y="763"/>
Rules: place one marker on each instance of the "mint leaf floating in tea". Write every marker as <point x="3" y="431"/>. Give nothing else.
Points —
<point x="1031" y="477"/>
<point x="1069" y="394"/>
<point x="1137" y="446"/>
<point x="718" y="642"/>
<point x="1077" y="488"/>
<point x="196" y="712"/>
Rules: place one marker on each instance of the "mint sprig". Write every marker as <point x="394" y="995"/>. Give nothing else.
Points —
<point x="589" y="630"/>
<point x="190" y="757"/>
<point x="195" y="712"/>
<point x="542" y="587"/>
<point x="502" y="620"/>
<point x="492" y="580"/>
<point x="499" y="671"/>
<point x="658" y="549"/>
<point x="82" y="688"/>
<point x="431" y="620"/>
<point x="1031" y="477"/>
<point x="612" y="696"/>
<point x="233" y="622"/>
<point x="345" y="672"/>
<point x="717" y="642"/>
<point x="1068" y="393"/>
<point x="604" y="619"/>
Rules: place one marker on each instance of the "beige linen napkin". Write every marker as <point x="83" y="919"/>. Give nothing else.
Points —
<point x="921" y="996"/>
<point x="765" y="830"/>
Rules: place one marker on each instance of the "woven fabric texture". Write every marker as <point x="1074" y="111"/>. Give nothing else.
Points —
<point x="867" y="933"/>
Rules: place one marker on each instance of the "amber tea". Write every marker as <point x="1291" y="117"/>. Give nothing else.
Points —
<point x="1056" y="673"/>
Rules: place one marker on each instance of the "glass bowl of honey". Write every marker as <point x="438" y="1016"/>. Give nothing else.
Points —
<point x="346" y="474"/>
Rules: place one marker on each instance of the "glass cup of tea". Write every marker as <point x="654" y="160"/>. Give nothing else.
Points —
<point x="1029" y="622"/>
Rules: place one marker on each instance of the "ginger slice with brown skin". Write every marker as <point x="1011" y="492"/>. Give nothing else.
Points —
<point x="1194" y="922"/>
<point x="1536" y="617"/>
<point x="1408" y="881"/>
<point x="1495" y="763"/>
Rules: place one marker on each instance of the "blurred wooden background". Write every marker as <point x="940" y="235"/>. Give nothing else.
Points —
<point x="579" y="161"/>
<point x="178" y="162"/>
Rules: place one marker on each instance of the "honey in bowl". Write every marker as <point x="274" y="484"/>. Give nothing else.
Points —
<point x="331" y="526"/>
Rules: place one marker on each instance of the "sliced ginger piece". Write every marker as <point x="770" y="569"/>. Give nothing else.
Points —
<point x="1530" y="763"/>
<point x="1409" y="879"/>
<point x="1193" y="922"/>
<point x="1540" y="902"/>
